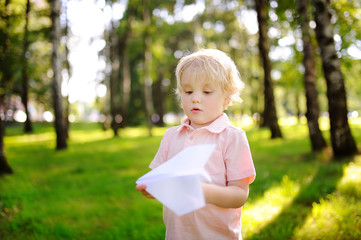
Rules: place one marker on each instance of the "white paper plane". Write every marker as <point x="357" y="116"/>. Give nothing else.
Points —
<point x="177" y="182"/>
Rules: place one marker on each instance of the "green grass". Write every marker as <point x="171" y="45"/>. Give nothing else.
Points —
<point x="88" y="191"/>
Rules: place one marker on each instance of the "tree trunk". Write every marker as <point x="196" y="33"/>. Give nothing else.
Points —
<point x="106" y="110"/>
<point x="313" y="110"/>
<point x="297" y="103"/>
<point x="4" y="80"/>
<point x="270" y="115"/>
<point x="25" y="84"/>
<point x="4" y="165"/>
<point x="147" y="84"/>
<point x="114" y="86"/>
<point x="56" y="66"/>
<point x="69" y="70"/>
<point x="342" y="141"/>
<point x="159" y="98"/>
<point x="124" y="58"/>
<point x="126" y="86"/>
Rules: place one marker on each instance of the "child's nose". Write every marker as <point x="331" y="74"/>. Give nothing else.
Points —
<point x="196" y="97"/>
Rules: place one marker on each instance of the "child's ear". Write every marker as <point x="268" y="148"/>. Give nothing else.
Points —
<point x="227" y="102"/>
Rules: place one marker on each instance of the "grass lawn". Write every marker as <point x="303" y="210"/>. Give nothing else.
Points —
<point x="88" y="190"/>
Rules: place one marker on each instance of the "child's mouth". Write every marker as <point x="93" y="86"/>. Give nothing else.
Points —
<point x="196" y="110"/>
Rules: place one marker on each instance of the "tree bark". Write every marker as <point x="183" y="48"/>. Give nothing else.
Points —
<point x="69" y="70"/>
<point x="114" y="86"/>
<point x="124" y="59"/>
<point x="25" y="84"/>
<point x="342" y="141"/>
<point x="4" y="80"/>
<point x="107" y="81"/>
<point x="56" y="66"/>
<point x="147" y="83"/>
<point x="159" y="98"/>
<point x="313" y="110"/>
<point x="270" y="115"/>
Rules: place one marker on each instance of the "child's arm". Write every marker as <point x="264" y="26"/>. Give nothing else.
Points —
<point x="142" y="189"/>
<point x="232" y="196"/>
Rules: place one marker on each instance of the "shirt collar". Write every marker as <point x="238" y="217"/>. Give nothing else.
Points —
<point x="216" y="126"/>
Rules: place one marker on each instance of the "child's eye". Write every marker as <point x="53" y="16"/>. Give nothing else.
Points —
<point x="188" y="92"/>
<point x="207" y="92"/>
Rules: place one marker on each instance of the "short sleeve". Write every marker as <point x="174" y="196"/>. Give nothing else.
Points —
<point x="238" y="158"/>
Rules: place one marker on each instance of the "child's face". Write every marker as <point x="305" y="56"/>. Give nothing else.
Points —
<point x="203" y="101"/>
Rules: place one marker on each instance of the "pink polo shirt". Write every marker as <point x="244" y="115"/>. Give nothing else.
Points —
<point x="231" y="160"/>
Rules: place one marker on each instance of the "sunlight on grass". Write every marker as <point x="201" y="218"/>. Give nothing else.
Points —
<point x="351" y="181"/>
<point x="355" y="121"/>
<point x="324" y="123"/>
<point x="136" y="132"/>
<point x="83" y="136"/>
<point x="338" y="216"/>
<point x="330" y="220"/>
<point x="29" y="139"/>
<point x="290" y="121"/>
<point x="242" y="121"/>
<point x="257" y="215"/>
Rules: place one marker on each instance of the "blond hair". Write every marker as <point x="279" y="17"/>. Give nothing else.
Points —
<point x="217" y="66"/>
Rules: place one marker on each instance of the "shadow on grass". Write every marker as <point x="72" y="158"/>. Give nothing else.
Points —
<point x="324" y="183"/>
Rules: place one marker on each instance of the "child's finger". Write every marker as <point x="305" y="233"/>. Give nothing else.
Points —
<point x="140" y="187"/>
<point x="148" y="195"/>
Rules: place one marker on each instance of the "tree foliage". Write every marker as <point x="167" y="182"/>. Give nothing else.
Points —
<point x="230" y="26"/>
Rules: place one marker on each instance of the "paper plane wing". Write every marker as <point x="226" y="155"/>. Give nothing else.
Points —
<point x="177" y="182"/>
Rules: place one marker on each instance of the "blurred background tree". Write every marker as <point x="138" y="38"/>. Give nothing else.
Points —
<point x="56" y="65"/>
<point x="313" y="109"/>
<point x="341" y="137"/>
<point x="131" y="81"/>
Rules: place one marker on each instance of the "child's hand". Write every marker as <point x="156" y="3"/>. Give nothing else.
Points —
<point x="142" y="189"/>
